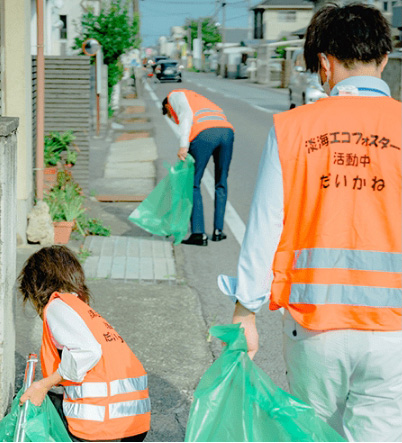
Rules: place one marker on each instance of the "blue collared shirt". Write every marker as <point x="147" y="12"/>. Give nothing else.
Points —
<point x="264" y="228"/>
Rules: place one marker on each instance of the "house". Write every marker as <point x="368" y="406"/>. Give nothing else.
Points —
<point x="274" y="19"/>
<point x="61" y="24"/>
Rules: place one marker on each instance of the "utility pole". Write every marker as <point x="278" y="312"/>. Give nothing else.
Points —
<point x="199" y="37"/>
<point x="222" y="68"/>
<point x="250" y="21"/>
<point x="136" y="10"/>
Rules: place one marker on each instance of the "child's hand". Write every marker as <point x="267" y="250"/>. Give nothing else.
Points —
<point x="36" y="393"/>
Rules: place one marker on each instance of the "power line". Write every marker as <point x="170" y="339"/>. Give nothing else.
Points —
<point x="234" y="18"/>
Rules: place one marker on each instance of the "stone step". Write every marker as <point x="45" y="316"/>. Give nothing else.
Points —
<point x="137" y="170"/>
<point x="125" y="119"/>
<point x="129" y="258"/>
<point x="134" y="127"/>
<point x="142" y="149"/>
<point x="135" y="186"/>
<point x="132" y="102"/>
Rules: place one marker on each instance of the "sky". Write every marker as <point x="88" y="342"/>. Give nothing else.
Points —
<point x="158" y="16"/>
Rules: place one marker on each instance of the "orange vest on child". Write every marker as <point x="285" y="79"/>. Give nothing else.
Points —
<point x="206" y="114"/>
<point x="112" y="401"/>
<point x="338" y="264"/>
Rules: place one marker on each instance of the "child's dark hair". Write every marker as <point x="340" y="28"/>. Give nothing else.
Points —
<point x="51" y="269"/>
<point x="351" y="33"/>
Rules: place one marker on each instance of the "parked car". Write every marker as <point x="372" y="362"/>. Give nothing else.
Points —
<point x="304" y="86"/>
<point x="168" y="70"/>
<point x="159" y="58"/>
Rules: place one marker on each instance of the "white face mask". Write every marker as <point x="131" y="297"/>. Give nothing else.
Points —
<point x="325" y="85"/>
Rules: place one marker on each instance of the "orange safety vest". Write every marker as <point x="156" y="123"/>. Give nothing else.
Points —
<point x="206" y="114"/>
<point x="338" y="264"/>
<point x="112" y="401"/>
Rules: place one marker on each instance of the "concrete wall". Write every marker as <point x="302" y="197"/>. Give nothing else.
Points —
<point x="17" y="98"/>
<point x="392" y="75"/>
<point x="1" y="53"/>
<point x="8" y="253"/>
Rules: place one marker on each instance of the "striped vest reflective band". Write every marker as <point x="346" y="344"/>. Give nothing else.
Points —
<point x="338" y="264"/>
<point x="112" y="401"/>
<point x="206" y="114"/>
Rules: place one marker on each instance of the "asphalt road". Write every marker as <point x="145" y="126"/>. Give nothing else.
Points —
<point x="250" y="109"/>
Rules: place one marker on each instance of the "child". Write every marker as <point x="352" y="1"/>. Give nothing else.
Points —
<point x="105" y="386"/>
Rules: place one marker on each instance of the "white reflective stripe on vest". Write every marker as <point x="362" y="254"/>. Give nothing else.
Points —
<point x="129" y="408"/>
<point x="203" y="111"/>
<point x="331" y="258"/>
<point x="212" y="117"/>
<point x="319" y="294"/>
<point x="86" y="390"/>
<point x="128" y="385"/>
<point x="84" y="411"/>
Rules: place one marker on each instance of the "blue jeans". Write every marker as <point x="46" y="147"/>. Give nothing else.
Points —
<point x="216" y="142"/>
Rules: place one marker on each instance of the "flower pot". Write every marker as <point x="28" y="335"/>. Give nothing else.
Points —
<point x="50" y="178"/>
<point x="62" y="231"/>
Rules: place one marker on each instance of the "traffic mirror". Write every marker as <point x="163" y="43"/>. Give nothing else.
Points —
<point x="90" y="46"/>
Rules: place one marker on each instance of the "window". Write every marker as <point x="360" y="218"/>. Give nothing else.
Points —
<point x="258" y="23"/>
<point x="63" y="29"/>
<point x="385" y="6"/>
<point x="286" y="16"/>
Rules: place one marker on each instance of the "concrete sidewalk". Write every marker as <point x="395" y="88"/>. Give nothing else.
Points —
<point x="136" y="281"/>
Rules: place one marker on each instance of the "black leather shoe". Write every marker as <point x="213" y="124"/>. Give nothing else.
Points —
<point x="196" y="239"/>
<point x="218" y="235"/>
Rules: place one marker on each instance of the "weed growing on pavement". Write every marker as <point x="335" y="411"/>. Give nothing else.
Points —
<point x="209" y="336"/>
<point x="83" y="254"/>
<point x="94" y="226"/>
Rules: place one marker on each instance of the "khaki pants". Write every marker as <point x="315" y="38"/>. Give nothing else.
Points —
<point x="352" y="378"/>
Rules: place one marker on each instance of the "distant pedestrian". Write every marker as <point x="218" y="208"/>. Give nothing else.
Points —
<point x="323" y="240"/>
<point x="204" y="132"/>
<point x="105" y="385"/>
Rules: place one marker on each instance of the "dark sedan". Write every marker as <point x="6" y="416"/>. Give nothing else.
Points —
<point x="168" y="70"/>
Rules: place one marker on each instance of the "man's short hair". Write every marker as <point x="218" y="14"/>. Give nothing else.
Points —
<point x="351" y="33"/>
<point x="164" y="107"/>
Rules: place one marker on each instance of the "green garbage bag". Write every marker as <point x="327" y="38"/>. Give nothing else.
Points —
<point x="237" y="401"/>
<point x="167" y="209"/>
<point x="43" y="423"/>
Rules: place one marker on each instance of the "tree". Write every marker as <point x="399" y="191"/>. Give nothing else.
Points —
<point x="114" y="31"/>
<point x="210" y="32"/>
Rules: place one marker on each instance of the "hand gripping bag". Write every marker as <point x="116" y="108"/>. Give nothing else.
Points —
<point x="42" y="423"/>
<point x="236" y="401"/>
<point x="167" y="209"/>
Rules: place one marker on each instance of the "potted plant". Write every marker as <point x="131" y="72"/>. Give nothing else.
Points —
<point x="56" y="144"/>
<point x="66" y="205"/>
<point x="51" y="157"/>
<point x="71" y="159"/>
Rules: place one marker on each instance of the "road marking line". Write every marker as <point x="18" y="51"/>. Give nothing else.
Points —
<point x="260" y="108"/>
<point x="153" y="95"/>
<point x="232" y="218"/>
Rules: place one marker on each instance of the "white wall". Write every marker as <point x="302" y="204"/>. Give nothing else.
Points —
<point x="275" y="28"/>
<point x="54" y="45"/>
<point x="17" y="98"/>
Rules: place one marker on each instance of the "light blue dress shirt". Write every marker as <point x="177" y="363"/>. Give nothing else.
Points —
<point x="264" y="228"/>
